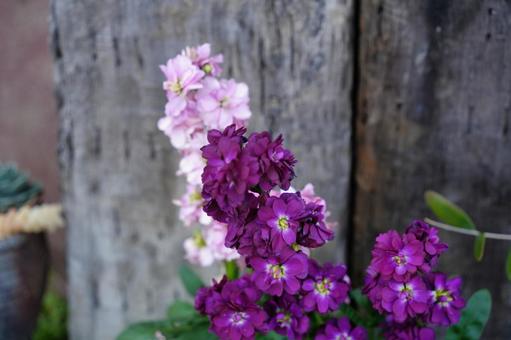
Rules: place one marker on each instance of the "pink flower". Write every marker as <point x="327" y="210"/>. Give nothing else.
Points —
<point x="182" y="77"/>
<point x="192" y="166"/>
<point x="197" y="251"/>
<point x="190" y="204"/>
<point x="200" y="56"/>
<point x="215" y="240"/>
<point x="184" y="131"/>
<point x="222" y="103"/>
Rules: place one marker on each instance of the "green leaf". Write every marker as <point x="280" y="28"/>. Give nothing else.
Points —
<point x="181" y="311"/>
<point x="231" y="270"/>
<point x="191" y="281"/>
<point x="473" y="318"/>
<point x="197" y="333"/>
<point x="144" y="330"/>
<point x="508" y="265"/>
<point x="479" y="245"/>
<point x="270" y="336"/>
<point x="447" y="211"/>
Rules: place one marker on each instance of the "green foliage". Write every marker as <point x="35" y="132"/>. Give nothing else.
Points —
<point x="181" y="311"/>
<point x="144" y="330"/>
<point x="447" y="211"/>
<point x="231" y="270"/>
<point x="52" y="321"/>
<point x="473" y="318"/>
<point x="479" y="245"/>
<point x="270" y="336"/>
<point x="16" y="189"/>
<point x="191" y="281"/>
<point x="508" y="265"/>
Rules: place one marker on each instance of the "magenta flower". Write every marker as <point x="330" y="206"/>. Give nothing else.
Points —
<point x="282" y="215"/>
<point x="182" y="77"/>
<point x="396" y="256"/>
<point x="446" y="300"/>
<point x="405" y="299"/>
<point x="280" y="272"/>
<point x="325" y="288"/>
<point x="255" y="241"/>
<point x="313" y="231"/>
<point x="275" y="163"/>
<point x="223" y="102"/>
<point x="373" y="286"/>
<point x="228" y="174"/>
<point x="232" y="309"/>
<point x="287" y="317"/>
<point x="201" y="57"/>
<point x="309" y="196"/>
<point x="433" y="247"/>
<point x="407" y="331"/>
<point x="341" y="329"/>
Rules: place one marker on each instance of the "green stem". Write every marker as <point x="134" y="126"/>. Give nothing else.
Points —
<point x="231" y="270"/>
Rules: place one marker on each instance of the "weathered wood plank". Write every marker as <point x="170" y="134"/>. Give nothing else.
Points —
<point x="433" y="112"/>
<point x="118" y="171"/>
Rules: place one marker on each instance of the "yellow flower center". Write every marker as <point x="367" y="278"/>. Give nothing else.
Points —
<point x="175" y="87"/>
<point x="283" y="223"/>
<point x="277" y="271"/>
<point x="195" y="196"/>
<point x="207" y="68"/>
<point x="199" y="240"/>
<point x="323" y="287"/>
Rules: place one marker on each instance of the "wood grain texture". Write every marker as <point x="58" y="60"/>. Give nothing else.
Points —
<point x="433" y="112"/>
<point x="118" y="170"/>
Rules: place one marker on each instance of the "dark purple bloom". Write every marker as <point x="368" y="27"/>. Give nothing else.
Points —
<point x="405" y="299"/>
<point x="313" y="231"/>
<point x="287" y="317"/>
<point x="208" y="299"/>
<point x="275" y="163"/>
<point x="236" y="314"/>
<point x="341" y="329"/>
<point x="325" y="288"/>
<point x="229" y="172"/>
<point x="394" y="256"/>
<point x="433" y="247"/>
<point x="282" y="215"/>
<point x="280" y="272"/>
<point x="255" y="241"/>
<point x="239" y="218"/>
<point x="408" y="331"/>
<point x="373" y="286"/>
<point x="446" y="300"/>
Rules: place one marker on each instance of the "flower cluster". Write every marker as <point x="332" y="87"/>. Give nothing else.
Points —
<point x="401" y="283"/>
<point x="246" y="184"/>
<point x="197" y="101"/>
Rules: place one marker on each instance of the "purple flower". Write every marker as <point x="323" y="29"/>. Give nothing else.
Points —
<point x="232" y="309"/>
<point x="341" y="329"/>
<point x="433" y="247"/>
<point x="325" y="288"/>
<point x="405" y="299"/>
<point x="282" y="215"/>
<point x="313" y="231"/>
<point x="239" y="219"/>
<point x="394" y="256"/>
<point x="446" y="300"/>
<point x="255" y="241"/>
<point x="275" y="163"/>
<point x="280" y="272"/>
<point x="408" y="331"/>
<point x="208" y="299"/>
<point x="373" y="286"/>
<point x="287" y="317"/>
<point x="228" y="174"/>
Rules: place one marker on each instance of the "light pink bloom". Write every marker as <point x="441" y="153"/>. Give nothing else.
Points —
<point x="190" y="204"/>
<point x="192" y="166"/>
<point x="197" y="251"/>
<point x="185" y="131"/>
<point x="201" y="56"/>
<point x="215" y="239"/>
<point x="182" y="77"/>
<point x="222" y="103"/>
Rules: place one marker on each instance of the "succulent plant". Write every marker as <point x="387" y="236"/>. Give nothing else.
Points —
<point x="16" y="188"/>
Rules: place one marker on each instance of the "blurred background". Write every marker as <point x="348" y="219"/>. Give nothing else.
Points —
<point x="380" y="100"/>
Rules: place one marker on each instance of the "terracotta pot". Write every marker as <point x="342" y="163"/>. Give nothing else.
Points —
<point x="24" y="261"/>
